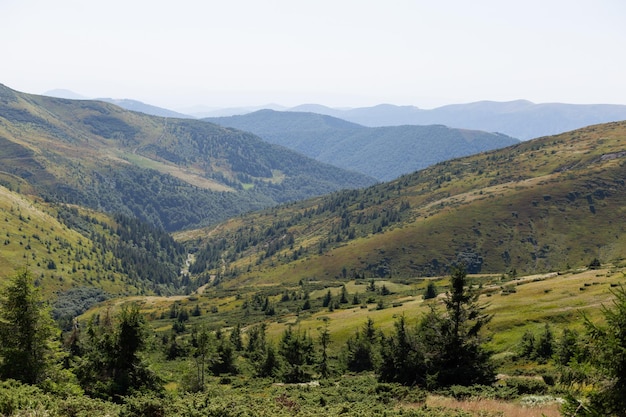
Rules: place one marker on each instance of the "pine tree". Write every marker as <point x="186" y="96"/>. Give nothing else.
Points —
<point x="111" y="364"/>
<point x="545" y="344"/>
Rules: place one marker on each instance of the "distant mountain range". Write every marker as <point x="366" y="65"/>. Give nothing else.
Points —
<point x="135" y="105"/>
<point x="520" y="119"/>
<point x="384" y="153"/>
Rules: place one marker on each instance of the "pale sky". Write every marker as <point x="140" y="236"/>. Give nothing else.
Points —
<point x="341" y="53"/>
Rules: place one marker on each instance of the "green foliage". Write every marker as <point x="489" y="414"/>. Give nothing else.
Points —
<point x="108" y="363"/>
<point x="595" y="264"/>
<point x="204" y="354"/>
<point x="431" y="291"/>
<point x="527" y="345"/>
<point x="26" y="329"/>
<point x="362" y="350"/>
<point x="567" y="348"/>
<point x="545" y="344"/>
<point x="297" y="351"/>
<point x="74" y="302"/>
<point x="525" y="386"/>
<point x="464" y="392"/>
<point x="446" y="349"/>
<point x="608" y="353"/>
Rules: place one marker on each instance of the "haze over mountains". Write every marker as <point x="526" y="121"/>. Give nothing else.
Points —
<point x="381" y="152"/>
<point x="520" y="119"/>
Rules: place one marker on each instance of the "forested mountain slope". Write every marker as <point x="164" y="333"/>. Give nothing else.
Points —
<point x="79" y="257"/>
<point x="174" y="173"/>
<point x="383" y="152"/>
<point x="542" y="205"/>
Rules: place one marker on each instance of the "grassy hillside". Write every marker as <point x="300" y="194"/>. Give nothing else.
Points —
<point x="539" y="206"/>
<point x="79" y="257"/>
<point x="173" y="173"/>
<point x="383" y="152"/>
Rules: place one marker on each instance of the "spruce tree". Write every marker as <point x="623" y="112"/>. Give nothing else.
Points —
<point x="446" y="348"/>
<point x="26" y="330"/>
<point x="608" y="348"/>
<point x="463" y="360"/>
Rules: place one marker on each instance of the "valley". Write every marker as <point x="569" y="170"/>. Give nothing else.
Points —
<point x="193" y="268"/>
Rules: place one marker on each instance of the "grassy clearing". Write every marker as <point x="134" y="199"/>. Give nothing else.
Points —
<point x="547" y="407"/>
<point x="525" y="303"/>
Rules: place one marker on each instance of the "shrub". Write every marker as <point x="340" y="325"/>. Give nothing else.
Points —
<point x="527" y="386"/>
<point x="146" y="405"/>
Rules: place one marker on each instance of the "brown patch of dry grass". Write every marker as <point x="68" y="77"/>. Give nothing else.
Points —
<point x="481" y="406"/>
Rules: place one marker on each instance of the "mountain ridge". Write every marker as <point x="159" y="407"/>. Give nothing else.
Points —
<point x="382" y="152"/>
<point x="539" y="206"/>
<point x="171" y="172"/>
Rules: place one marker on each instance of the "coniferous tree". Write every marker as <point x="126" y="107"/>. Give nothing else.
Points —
<point x="431" y="291"/>
<point x="463" y="360"/>
<point x="26" y="329"/>
<point x="324" y="339"/>
<point x="111" y="365"/>
<point x="446" y="348"/>
<point x="297" y="350"/>
<point x="203" y="355"/>
<point x="235" y="338"/>
<point x="401" y="359"/>
<point x="608" y="353"/>
<point x="326" y="301"/>
<point x="567" y="347"/>
<point x="344" y="295"/>
<point x="527" y="345"/>
<point x="361" y="350"/>
<point x="545" y="344"/>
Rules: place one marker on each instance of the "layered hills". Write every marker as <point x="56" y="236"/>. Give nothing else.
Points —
<point x="543" y="205"/>
<point x="173" y="173"/>
<point x="520" y="118"/>
<point x="382" y="152"/>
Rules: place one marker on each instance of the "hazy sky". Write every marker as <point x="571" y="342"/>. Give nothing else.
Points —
<point x="349" y="53"/>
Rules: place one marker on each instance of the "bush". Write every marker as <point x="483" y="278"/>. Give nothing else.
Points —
<point x="15" y="396"/>
<point x="527" y="386"/>
<point x="143" y="406"/>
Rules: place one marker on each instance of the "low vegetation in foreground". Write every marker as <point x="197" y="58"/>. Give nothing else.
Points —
<point x="452" y="357"/>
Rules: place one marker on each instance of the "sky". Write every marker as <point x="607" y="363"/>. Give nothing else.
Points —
<point x="339" y="53"/>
